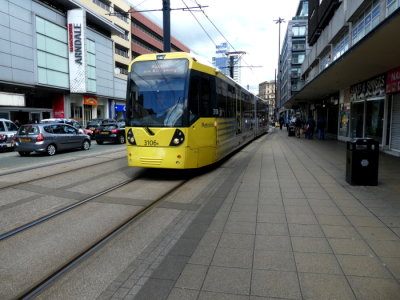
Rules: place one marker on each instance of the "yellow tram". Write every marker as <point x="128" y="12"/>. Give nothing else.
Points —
<point x="182" y="114"/>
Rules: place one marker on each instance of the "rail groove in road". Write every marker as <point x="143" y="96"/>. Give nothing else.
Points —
<point x="90" y="250"/>
<point x="53" y="174"/>
<point x="62" y="210"/>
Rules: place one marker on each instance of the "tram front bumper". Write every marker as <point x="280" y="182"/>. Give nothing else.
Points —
<point x="162" y="157"/>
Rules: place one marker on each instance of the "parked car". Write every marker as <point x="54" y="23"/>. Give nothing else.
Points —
<point x="92" y="125"/>
<point x="7" y="132"/>
<point x="49" y="138"/>
<point x="114" y="132"/>
<point x="71" y="122"/>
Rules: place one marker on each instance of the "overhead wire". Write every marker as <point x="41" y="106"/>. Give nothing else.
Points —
<point x="219" y="31"/>
<point x="205" y="31"/>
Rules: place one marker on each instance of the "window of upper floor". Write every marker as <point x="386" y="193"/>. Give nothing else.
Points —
<point x="391" y="6"/>
<point x="368" y="19"/>
<point x="341" y="46"/>
<point x="298" y="44"/>
<point x="299" y="30"/>
<point x="103" y="4"/>
<point x="121" y="14"/>
<point x="298" y="58"/>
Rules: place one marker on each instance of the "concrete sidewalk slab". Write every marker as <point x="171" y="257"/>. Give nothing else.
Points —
<point x="291" y="227"/>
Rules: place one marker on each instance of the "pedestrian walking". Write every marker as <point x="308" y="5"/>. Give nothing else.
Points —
<point x="297" y="125"/>
<point x="321" y="128"/>
<point x="281" y="121"/>
<point x="310" y="128"/>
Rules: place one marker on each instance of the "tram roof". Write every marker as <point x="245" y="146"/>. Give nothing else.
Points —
<point x="195" y="62"/>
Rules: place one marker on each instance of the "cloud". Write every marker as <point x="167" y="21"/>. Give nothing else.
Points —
<point x="248" y="25"/>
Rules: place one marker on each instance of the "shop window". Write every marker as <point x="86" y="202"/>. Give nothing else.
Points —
<point x="374" y="119"/>
<point x="344" y="125"/>
<point x="76" y="111"/>
<point x="357" y="119"/>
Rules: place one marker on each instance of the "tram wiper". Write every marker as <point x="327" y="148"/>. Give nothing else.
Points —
<point x="149" y="131"/>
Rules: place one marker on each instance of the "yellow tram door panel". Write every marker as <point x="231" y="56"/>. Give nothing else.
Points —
<point x="202" y="136"/>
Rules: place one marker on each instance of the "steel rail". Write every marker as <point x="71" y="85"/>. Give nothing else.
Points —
<point x="50" y="175"/>
<point x="90" y="250"/>
<point x="62" y="210"/>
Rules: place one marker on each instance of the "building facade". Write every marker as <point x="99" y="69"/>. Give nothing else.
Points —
<point x="229" y="63"/>
<point x="64" y="59"/>
<point x="294" y="48"/>
<point x="147" y="37"/>
<point x="266" y="91"/>
<point x="351" y="72"/>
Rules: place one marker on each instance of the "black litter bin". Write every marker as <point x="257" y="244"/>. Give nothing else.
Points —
<point x="291" y="131"/>
<point x="362" y="160"/>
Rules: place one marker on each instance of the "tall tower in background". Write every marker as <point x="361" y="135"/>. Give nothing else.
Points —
<point x="228" y="62"/>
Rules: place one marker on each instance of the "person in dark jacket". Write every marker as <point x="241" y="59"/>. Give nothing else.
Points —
<point x="321" y="129"/>
<point x="297" y="125"/>
<point x="310" y="128"/>
<point x="281" y="121"/>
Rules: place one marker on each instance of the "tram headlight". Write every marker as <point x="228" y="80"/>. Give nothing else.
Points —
<point x="130" y="137"/>
<point x="178" y="138"/>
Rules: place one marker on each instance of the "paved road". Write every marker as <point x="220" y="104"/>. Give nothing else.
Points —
<point x="9" y="160"/>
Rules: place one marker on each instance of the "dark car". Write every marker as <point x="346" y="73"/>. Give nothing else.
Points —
<point x="114" y="132"/>
<point x="49" y="138"/>
<point x="92" y="125"/>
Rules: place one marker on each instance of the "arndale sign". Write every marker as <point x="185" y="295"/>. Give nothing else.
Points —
<point x="76" y="47"/>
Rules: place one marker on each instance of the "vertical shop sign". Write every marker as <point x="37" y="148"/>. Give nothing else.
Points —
<point x="58" y="106"/>
<point x="77" y="52"/>
<point x="393" y="81"/>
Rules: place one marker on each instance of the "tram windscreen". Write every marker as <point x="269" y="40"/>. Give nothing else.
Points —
<point x="157" y="93"/>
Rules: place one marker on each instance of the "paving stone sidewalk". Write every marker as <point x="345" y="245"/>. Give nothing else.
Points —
<point x="291" y="227"/>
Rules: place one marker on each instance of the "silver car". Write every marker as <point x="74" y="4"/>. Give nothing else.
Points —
<point x="7" y="131"/>
<point x="49" y="138"/>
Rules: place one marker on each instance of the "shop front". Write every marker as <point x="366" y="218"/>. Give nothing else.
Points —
<point x="31" y="106"/>
<point x="393" y="92"/>
<point x="344" y="115"/>
<point x="120" y="111"/>
<point x="367" y="106"/>
<point x="86" y="108"/>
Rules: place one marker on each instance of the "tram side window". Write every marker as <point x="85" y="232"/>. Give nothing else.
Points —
<point x="221" y="98"/>
<point x="231" y="102"/>
<point x="200" y="96"/>
<point x="194" y="97"/>
<point x="205" y="97"/>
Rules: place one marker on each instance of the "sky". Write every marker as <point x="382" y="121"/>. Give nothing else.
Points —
<point x="248" y="25"/>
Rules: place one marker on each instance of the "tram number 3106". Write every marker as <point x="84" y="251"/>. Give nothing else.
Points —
<point x="150" y="143"/>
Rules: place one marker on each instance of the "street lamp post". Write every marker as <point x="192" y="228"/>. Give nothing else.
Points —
<point x="166" y="26"/>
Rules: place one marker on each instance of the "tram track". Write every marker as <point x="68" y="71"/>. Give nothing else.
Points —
<point x="35" y="290"/>
<point x="44" y="230"/>
<point x="60" y="211"/>
<point x="53" y="173"/>
<point x="35" y="187"/>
